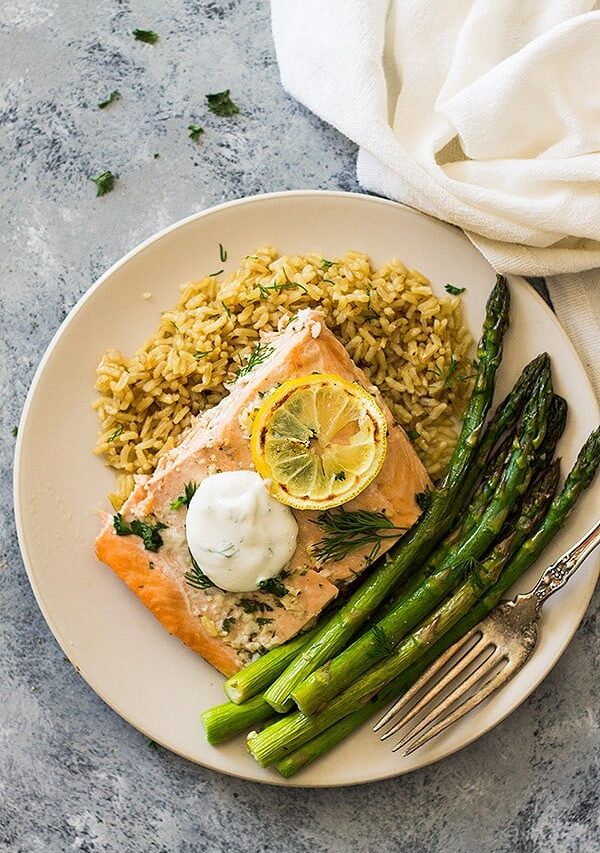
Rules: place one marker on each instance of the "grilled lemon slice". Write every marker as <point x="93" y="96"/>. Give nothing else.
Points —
<point x="320" y="440"/>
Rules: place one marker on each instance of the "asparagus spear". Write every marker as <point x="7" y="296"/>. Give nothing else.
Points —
<point x="224" y="721"/>
<point x="290" y="732"/>
<point x="265" y="669"/>
<point x="379" y="641"/>
<point x="434" y="523"/>
<point x="578" y="480"/>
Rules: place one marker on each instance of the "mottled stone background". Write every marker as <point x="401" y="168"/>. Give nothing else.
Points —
<point x="73" y="775"/>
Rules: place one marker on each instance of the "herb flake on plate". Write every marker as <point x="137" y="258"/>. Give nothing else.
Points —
<point x="454" y="291"/>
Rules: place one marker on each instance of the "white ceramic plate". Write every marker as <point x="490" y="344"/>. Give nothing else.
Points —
<point x="146" y="676"/>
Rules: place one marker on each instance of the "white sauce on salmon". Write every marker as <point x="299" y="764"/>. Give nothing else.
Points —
<point x="237" y="533"/>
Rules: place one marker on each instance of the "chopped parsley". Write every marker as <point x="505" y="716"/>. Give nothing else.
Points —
<point x="274" y="586"/>
<point x="195" y="131"/>
<point x="184" y="499"/>
<point x="115" y="435"/>
<point x="156" y="155"/>
<point x="412" y="434"/>
<point x="15" y="431"/>
<point x="455" y="291"/>
<point x="262" y="620"/>
<point x="147" y="36"/>
<point x="115" y="95"/>
<point x="341" y="475"/>
<point x="220" y="104"/>
<point x="259" y="354"/>
<point x="151" y="744"/>
<point x="325" y="264"/>
<point x="105" y="182"/>
<point x="222" y="253"/>
<point x="249" y="605"/>
<point x="148" y="533"/>
<point x="227" y="623"/>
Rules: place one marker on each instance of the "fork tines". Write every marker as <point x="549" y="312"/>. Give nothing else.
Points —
<point x="473" y="656"/>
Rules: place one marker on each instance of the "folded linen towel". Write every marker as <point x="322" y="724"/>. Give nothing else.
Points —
<point x="483" y="114"/>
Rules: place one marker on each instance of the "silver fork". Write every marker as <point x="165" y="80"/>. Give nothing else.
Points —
<point x="491" y="652"/>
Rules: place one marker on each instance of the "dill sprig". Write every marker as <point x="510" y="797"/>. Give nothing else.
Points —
<point x="346" y="530"/>
<point x="196" y="577"/>
<point x="259" y="354"/>
<point x="189" y="490"/>
<point x="265" y="289"/>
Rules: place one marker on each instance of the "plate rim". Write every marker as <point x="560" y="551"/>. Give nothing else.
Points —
<point x="18" y="503"/>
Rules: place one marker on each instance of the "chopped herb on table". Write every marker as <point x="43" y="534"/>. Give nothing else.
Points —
<point x="115" y="95"/>
<point x="195" y="131"/>
<point x="15" y="431"/>
<point x="220" y="104"/>
<point x="147" y="36"/>
<point x="105" y="182"/>
<point x="455" y="291"/>
<point x="148" y="532"/>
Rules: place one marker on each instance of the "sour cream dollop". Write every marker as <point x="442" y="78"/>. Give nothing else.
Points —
<point x="237" y="533"/>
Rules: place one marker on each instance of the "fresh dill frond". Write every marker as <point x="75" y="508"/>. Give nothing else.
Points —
<point x="346" y="530"/>
<point x="196" y="577"/>
<point x="115" y="435"/>
<point x="265" y="289"/>
<point x="380" y="642"/>
<point x="259" y="354"/>
<point x="189" y="490"/>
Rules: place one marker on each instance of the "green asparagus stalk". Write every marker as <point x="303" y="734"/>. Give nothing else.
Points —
<point x="288" y="733"/>
<point x="379" y="641"/>
<point x="577" y="482"/>
<point x="227" y="720"/>
<point x="262" y="672"/>
<point x="434" y="523"/>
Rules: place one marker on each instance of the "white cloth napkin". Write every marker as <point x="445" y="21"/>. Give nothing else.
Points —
<point x="483" y="113"/>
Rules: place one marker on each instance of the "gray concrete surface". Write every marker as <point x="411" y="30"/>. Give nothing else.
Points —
<point x="73" y="775"/>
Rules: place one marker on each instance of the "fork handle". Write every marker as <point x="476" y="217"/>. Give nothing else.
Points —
<point x="562" y="569"/>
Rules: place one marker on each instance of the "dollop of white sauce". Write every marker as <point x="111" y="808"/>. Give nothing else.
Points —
<point x="237" y="533"/>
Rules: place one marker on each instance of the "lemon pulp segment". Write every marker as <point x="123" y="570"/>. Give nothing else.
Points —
<point x="320" y="440"/>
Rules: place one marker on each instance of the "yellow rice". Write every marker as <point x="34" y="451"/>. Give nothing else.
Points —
<point x="413" y="345"/>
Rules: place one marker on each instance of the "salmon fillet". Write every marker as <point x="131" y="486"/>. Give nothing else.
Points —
<point x="222" y="626"/>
